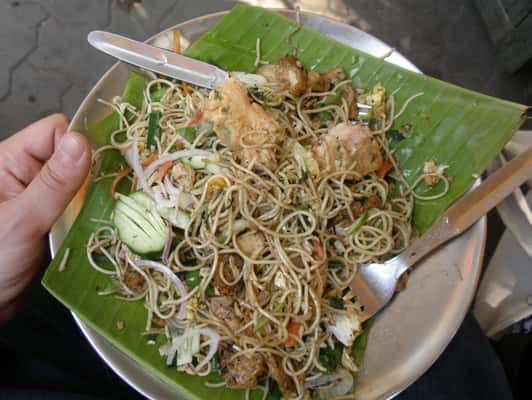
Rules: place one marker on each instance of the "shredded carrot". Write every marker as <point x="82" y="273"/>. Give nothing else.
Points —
<point x="163" y="169"/>
<point x="294" y="329"/>
<point x="133" y="184"/>
<point x="386" y="167"/>
<point x="195" y="118"/>
<point x="317" y="250"/>
<point x="121" y="175"/>
<point x="186" y="89"/>
<point x="149" y="160"/>
<point x="177" y="41"/>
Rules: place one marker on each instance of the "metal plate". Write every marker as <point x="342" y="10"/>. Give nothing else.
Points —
<point x="407" y="337"/>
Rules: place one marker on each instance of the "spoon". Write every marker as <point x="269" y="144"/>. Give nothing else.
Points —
<point x="375" y="284"/>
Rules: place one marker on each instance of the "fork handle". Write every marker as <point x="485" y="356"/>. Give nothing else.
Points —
<point x="470" y="208"/>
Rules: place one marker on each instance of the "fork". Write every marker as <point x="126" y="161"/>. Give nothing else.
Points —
<point x="375" y="284"/>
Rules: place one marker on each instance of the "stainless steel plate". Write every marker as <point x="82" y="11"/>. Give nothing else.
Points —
<point x="407" y="337"/>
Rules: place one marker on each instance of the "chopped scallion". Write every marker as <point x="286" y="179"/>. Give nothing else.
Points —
<point x="157" y="94"/>
<point x="263" y="320"/>
<point x="336" y="302"/>
<point x="335" y="264"/>
<point x="303" y="178"/>
<point x="359" y="223"/>
<point x="325" y="117"/>
<point x="154" y="130"/>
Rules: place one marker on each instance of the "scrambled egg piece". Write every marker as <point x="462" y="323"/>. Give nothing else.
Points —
<point x="435" y="171"/>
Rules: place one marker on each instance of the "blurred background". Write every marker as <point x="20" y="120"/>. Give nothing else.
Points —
<point x="46" y="66"/>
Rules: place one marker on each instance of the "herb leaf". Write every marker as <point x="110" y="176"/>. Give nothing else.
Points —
<point x="394" y="136"/>
<point x="331" y="358"/>
<point x="154" y="130"/>
<point x="325" y="117"/>
<point x="335" y="265"/>
<point x="304" y="177"/>
<point x="336" y="302"/>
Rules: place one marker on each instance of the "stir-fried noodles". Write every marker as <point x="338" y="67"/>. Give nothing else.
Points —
<point x="251" y="208"/>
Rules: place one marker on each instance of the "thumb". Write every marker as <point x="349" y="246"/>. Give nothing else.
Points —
<point x="47" y="196"/>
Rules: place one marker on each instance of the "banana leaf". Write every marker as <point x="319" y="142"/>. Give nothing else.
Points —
<point x="448" y="124"/>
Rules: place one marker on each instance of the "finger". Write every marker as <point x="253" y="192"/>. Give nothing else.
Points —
<point x="39" y="139"/>
<point x="10" y="186"/>
<point x="19" y="166"/>
<point x="49" y="193"/>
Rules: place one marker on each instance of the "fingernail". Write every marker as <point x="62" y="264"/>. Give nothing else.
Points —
<point x="71" y="148"/>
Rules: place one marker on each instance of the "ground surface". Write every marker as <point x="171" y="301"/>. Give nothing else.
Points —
<point x="47" y="66"/>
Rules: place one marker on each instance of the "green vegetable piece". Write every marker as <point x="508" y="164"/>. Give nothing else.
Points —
<point x="154" y="130"/>
<point x="188" y="133"/>
<point x="139" y="224"/>
<point x="275" y="392"/>
<point x="394" y="136"/>
<point x="304" y="177"/>
<point x="215" y="363"/>
<point x="335" y="265"/>
<point x="261" y="323"/>
<point x="332" y="99"/>
<point x="157" y="94"/>
<point x="337" y="303"/>
<point x="193" y="279"/>
<point x="209" y="292"/>
<point x="360" y="343"/>
<point x="359" y="223"/>
<point x="257" y="94"/>
<point x="325" y="117"/>
<point x="331" y="358"/>
<point x="221" y="239"/>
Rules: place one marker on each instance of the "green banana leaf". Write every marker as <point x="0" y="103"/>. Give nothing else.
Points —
<point x="448" y="124"/>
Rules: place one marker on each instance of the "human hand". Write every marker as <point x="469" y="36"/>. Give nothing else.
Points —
<point x="41" y="169"/>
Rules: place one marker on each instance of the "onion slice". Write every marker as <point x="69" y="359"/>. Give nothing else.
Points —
<point x="171" y="189"/>
<point x="175" y="156"/>
<point x="132" y="158"/>
<point x="213" y="345"/>
<point x="173" y="277"/>
<point x="168" y="244"/>
<point x="341" y="382"/>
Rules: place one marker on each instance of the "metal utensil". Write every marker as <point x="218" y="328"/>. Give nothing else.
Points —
<point x="158" y="60"/>
<point x="169" y="63"/>
<point x="375" y="284"/>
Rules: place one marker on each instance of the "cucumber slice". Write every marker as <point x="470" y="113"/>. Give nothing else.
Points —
<point x="201" y="162"/>
<point x="177" y="218"/>
<point x="139" y="224"/>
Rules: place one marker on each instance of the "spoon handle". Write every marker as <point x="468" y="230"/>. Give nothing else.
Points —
<point x="470" y="208"/>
